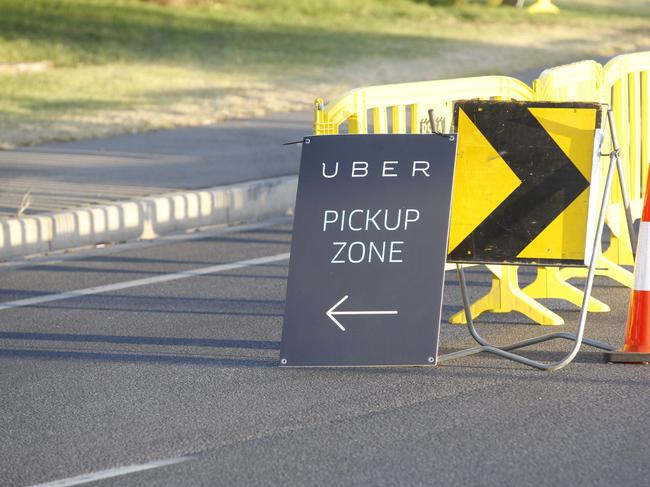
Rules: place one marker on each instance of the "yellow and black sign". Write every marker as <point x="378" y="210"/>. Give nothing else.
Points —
<point x="521" y="189"/>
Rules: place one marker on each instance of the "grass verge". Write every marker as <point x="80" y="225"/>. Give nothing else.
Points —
<point x="128" y="65"/>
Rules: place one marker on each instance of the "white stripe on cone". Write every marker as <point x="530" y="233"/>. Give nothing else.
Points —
<point x="642" y="266"/>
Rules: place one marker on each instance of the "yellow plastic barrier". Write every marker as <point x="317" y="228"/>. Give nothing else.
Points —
<point x="408" y="104"/>
<point x="625" y="80"/>
<point x="579" y="81"/>
<point x="625" y="88"/>
<point x="572" y="82"/>
<point x="623" y="84"/>
<point x="402" y="108"/>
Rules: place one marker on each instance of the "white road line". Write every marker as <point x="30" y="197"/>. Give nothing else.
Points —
<point x="112" y="472"/>
<point x="143" y="282"/>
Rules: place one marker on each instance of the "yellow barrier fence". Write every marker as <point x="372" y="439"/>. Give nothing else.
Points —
<point x="403" y="108"/>
<point x="622" y="84"/>
<point x="625" y="88"/>
<point x="625" y="84"/>
<point x="573" y="82"/>
<point x="580" y="82"/>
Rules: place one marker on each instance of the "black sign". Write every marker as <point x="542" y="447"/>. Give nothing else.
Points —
<point x="368" y="251"/>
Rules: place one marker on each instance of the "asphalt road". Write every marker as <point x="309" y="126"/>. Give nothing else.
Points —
<point x="184" y="369"/>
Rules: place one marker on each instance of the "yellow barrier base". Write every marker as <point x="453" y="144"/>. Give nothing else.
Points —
<point x="549" y="284"/>
<point x="606" y="268"/>
<point x="506" y="296"/>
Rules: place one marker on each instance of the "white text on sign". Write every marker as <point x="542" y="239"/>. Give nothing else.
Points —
<point x="371" y="220"/>
<point x="389" y="169"/>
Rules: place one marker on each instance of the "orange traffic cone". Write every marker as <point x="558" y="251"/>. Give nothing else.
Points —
<point x="637" y="335"/>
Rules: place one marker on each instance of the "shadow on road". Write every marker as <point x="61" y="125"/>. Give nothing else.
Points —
<point x="165" y="358"/>
<point x="137" y="357"/>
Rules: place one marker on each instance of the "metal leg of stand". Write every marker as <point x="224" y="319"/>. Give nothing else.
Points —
<point x="484" y="346"/>
<point x="621" y="179"/>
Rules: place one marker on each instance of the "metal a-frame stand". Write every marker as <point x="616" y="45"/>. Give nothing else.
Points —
<point x="578" y="338"/>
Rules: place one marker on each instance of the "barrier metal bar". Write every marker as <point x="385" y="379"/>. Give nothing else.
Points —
<point x="578" y="338"/>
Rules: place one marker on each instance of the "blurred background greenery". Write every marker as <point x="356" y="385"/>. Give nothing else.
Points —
<point x="80" y="68"/>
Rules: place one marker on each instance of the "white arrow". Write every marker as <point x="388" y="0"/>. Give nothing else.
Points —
<point x="330" y="313"/>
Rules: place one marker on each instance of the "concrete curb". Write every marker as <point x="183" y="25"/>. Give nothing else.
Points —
<point x="147" y="217"/>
